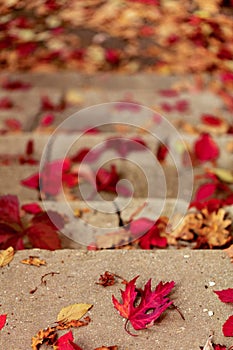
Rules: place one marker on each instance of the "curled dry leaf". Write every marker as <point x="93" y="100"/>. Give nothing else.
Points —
<point x="6" y="256"/>
<point x="49" y="336"/>
<point x="215" y="228"/>
<point x="34" y="261"/>
<point x="73" y="312"/>
<point x="211" y="228"/>
<point x="44" y="336"/>
<point x="107" y="279"/>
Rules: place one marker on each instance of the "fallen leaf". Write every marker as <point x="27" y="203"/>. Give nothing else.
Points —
<point x="44" y="336"/>
<point x="73" y="312"/>
<point x="225" y="295"/>
<point x="65" y="342"/>
<point x="205" y="148"/>
<point x="205" y="191"/>
<point x="107" y="279"/>
<point x="2" y="320"/>
<point x="6" y="256"/>
<point x="155" y="301"/>
<point x="32" y="208"/>
<point x="9" y="209"/>
<point x="34" y="261"/>
<point x="228" y="327"/>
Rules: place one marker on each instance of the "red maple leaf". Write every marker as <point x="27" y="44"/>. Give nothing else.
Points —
<point x="154" y="301"/>
<point x="226" y="296"/>
<point x="2" y="320"/>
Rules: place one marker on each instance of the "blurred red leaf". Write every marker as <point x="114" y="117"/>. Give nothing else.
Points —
<point x="205" y="148"/>
<point x="5" y="103"/>
<point x="112" y="56"/>
<point x="51" y="178"/>
<point x="48" y="105"/>
<point x="32" y="208"/>
<point x="212" y="204"/>
<point x="140" y="226"/>
<point x="168" y="93"/>
<point x="30" y="148"/>
<point x="43" y="236"/>
<point x="13" y="124"/>
<point x="205" y="191"/>
<point x="41" y="230"/>
<point x="31" y="181"/>
<point x="182" y="105"/>
<point x="47" y="120"/>
<point x="155" y="301"/>
<point x="209" y="119"/>
<point x="26" y="48"/>
<point x="9" y="209"/>
<point x="106" y="180"/>
<point x="123" y="146"/>
<point x="15" y="85"/>
<point x="150" y="233"/>
<point x="162" y="152"/>
<point x="2" y="320"/>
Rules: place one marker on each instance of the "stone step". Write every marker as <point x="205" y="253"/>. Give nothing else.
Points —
<point x="63" y="144"/>
<point x="146" y="182"/>
<point x="83" y="91"/>
<point x="196" y="274"/>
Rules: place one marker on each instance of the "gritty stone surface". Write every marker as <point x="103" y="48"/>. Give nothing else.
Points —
<point x="196" y="273"/>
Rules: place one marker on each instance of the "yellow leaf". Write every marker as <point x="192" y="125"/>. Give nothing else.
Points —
<point x="73" y="312"/>
<point x="6" y="256"/>
<point x="34" y="261"/>
<point x="223" y="174"/>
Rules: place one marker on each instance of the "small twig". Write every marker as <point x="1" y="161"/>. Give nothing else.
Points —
<point x="118" y="212"/>
<point x="42" y="281"/>
<point x="178" y="310"/>
<point x="137" y="211"/>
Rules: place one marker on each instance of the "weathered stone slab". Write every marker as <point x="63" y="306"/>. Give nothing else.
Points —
<point x="196" y="273"/>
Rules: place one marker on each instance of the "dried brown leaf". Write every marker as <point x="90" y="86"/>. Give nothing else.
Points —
<point x="34" y="261"/>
